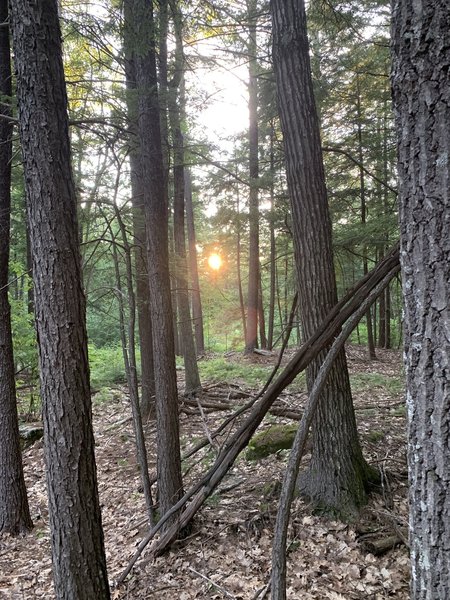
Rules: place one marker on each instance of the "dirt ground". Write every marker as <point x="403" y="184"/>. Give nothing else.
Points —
<point x="228" y="552"/>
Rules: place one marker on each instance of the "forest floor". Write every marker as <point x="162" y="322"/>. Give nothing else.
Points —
<point x="228" y="552"/>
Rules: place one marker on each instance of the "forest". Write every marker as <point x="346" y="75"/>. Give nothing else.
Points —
<point x="224" y="299"/>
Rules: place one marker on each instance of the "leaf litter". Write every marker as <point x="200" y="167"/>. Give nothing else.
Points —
<point x="228" y="552"/>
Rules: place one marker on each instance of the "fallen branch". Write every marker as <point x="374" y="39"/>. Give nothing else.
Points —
<point x="380" y="546"/>
<point x="322" y="338"/>
<point x="278" y="578"/>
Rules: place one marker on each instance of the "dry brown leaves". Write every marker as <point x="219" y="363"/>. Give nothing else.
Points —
<point x="228" y="553"/>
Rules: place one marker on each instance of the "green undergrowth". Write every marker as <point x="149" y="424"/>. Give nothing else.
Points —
<point x="106" y="365"/>
<point x="221" y="369"/>
<point x="362" y="382"/>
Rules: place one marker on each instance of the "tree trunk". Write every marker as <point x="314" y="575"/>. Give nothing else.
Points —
<point x="140" y="247"/>
<point x="79" y="565"/>
<point x="421" y="94"/>
<point x="238" y="267"/>
<point x="14" y="512"/>
<point x="382" y="312"/>
<point x="251" y="340"/>
<point x="128" y="322"/>
<point x="192" y="377"/>
<point x="337" y="476"/>
<point x="196" y="300"/>
<point x="139" y="26"/>
<point x="273" y="264"/>
<point x="261" y="315"/>
<point x="362" y="182"/>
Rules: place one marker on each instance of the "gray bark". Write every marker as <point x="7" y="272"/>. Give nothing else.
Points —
<point x="421" y="94"/>
<point x="196" y="300"/>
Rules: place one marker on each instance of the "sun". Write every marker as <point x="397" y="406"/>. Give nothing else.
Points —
<point x="214" y="262"/>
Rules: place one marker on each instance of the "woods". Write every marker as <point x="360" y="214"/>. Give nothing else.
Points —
<point x="198" y="203"/>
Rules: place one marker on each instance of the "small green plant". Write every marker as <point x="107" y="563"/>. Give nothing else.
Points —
<point x="106" y="366"/>
<point x="104" y="396"/>
<point x="399" y="411"/>
<point x="213" y="500"/>
<point x="375" y="436"/>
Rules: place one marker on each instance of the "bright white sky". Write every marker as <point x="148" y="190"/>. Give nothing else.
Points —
<point x="224" y="109"/>
<point x="226" y="113"/>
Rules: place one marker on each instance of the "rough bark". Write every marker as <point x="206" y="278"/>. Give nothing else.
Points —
<point x="139" y="26"/>
<point x="421" y="94"/>
<point x="140" y="245"/>
<point x="338" y="475"/>
<point x="14" y="511"/>
<point x="273" y="247"/>
<point x="238" y="266"/>
<point x="79" y="565"/>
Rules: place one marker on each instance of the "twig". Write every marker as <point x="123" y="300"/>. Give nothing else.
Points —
<point x="213" y="583"/>
<point x="262" y="592"/>
<point x="205" y="427"/>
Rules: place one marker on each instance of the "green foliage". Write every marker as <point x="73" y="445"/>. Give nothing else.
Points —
<point x="221" y="369"/>
<point x="106" y="366"/>
<point x="371" y="381"/>
<point x="22" y="324"/>
<point x="105" y="395"/>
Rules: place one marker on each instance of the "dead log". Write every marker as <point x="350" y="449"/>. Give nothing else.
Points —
<point x="380" y="546"/>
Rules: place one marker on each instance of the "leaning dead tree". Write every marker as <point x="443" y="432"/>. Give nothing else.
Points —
<point x="278" y="577"/>
<point x="323" y="338"/>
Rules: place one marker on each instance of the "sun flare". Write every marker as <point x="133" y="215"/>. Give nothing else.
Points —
<point x="214" y="262"/>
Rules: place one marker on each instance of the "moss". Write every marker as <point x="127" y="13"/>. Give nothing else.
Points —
<point x="276" y="437"/>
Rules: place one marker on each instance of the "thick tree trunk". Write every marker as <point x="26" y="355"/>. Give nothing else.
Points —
<point x="14" y="512"/>
<point x="251" y="340"/>
<point x="421" y="93"/>
<point x="140" y="248"/>
<point x="139" y="26"/>
<point x="79" y="565"/>
<point x="337" y="475"/>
